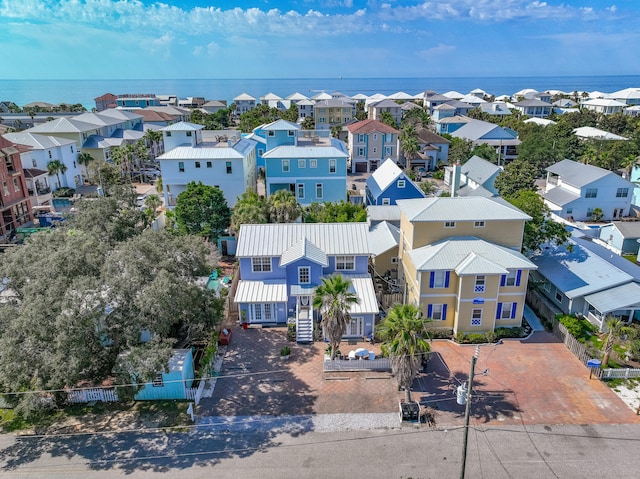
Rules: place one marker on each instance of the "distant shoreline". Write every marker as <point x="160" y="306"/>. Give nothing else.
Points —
<point x="84" y="91"/>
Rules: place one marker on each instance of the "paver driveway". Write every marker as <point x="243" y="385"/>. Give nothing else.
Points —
<point x="533" y="381"/>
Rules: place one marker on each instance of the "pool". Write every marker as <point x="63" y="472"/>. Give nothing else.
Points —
<point x="216" y="283"/>
<point x="61" y="203"/>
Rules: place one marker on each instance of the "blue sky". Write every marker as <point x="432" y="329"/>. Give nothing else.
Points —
<point x="139" y="39"/>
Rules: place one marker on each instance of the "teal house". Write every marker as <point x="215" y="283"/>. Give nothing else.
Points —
<point x="175" y="383"/>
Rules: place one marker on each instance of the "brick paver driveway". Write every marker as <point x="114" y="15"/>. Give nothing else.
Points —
<point x="534" y="381"/>
<point x="255" y="381"/>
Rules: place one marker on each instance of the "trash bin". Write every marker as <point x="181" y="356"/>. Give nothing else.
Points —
<point x="409" y="411"/>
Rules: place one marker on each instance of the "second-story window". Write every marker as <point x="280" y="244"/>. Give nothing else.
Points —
<point x="189" y="133"/>
<point x="197" y="164"/>
<point x="345" y="263"/>
<point x="591" y="193"/>
<point x="478" y="224"/>
<point x="622" y="193"/>
<point x="479" y="286"/>
<point x="449" y="224"/>
<point x="304" y="275"/>
<point x="313" y="163"/>
<point x="401" y="183"/>
<point x="229" y="168"/>
<point x="285" y="166"/>
<point x="181" y="166"/>
<point x="302" y="163"/>
<point x="300" y="188"/>
<point x="261" y="264"/>
<point x="332" y="166"/>
<point x="209" y="164"/>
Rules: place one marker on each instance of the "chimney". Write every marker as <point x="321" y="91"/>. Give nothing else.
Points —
<point x="455" y="180"/>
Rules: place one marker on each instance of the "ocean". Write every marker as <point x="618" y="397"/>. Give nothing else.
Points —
<point x="22" y="92"/>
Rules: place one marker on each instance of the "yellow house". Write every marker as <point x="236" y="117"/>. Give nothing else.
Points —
<point x="460" y="261"/>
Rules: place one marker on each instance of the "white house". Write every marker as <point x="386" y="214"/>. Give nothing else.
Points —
<point x="229" y="165"/>
<point x="606" y="106"/>
<point x="244" y="102"/>
<point x="574" y="190"/>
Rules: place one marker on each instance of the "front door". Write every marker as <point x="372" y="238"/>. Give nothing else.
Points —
<point x="355" y="327"/>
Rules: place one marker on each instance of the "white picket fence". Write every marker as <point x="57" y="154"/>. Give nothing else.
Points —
<point x="195" y="394"/>
<point x="81" y="396"/>
<point x="379" y="364"/>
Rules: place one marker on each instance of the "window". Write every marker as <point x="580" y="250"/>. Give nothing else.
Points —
<point x="388" y="151"/>
<point x="347" y="263"/>
<point x="197" y="164"/>
<point x="449" y="224"/>
<point x="71" y="148"/>
<point x="34" y="162"/>
<point x="302" y="163"/>
<point x="304" y="275"/>
<point x="569" y="211"/>
<point x="506" y="310"/>
<point x="285" y="166"/>
<point x="394" y="260"/>
<point x="16" y="184"/>
<point x="313" y="163"/>
<point x="435" y="312"/>
<point x="168" y="133"/>
<point x="439" y="279"/>
<point x="511" y="279"/>
<point x="479" y="286"/>
<point x="261" y="264"/>
<point x="622" y="193"/>
<point x="360" y="138"/>
<point x="181" y="166"/>
<point x="260" y="151"/>
<point x="401" y="183"/>
<point x="332" y="166"/>
<point x="300" y="188"/>
<point x="386" y="201"/>
<point x="559" y="296"/>
<point x="589" y="212"/>
<point x="158" y="382"/>
<point x="319" y="191"/>
<point x="5" y="188"/>
<point x="271" y="133"/>
<point x="229" y="168"/>
<point x="290" y="133"/>
<point x="50" y="156"/>
<point x="476" y="317"/>
<point x="189" y="133"/>
<point x="375" y="150"/>
<point x="209" y="164"/>
<point x="375" y="136"/>
<point x="360" y="151"/>
<point x="591" y="193"/>
<point x="478" y="224"/>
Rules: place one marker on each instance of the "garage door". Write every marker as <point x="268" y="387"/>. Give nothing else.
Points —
<point x="361" y="167"/>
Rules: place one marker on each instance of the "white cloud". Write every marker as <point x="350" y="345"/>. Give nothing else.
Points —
<point x="440" y="49"/>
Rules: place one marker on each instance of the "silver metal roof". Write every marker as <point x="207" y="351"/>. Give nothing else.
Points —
<point x="366" y="293"/>
<point x="304" y="249"/>
<point x="479" y="170"/>
<point x="383" y="213"/>
<point x="468" y="255"/>
<point x="274" y="291"/>
<point x="467" y="208"/>
<point x="281" y="125"/>
<point x="613" y="299"/>
<point x="202" y="152"/>
<point x="37" y="142"/>
<point x="182" y="126"/>
<point x="293" y="152"/>
<point x="560" y="196"/>
<point x="382" y="237"/>
<point x="275" y="239"/>
<point x="578" y="174"/>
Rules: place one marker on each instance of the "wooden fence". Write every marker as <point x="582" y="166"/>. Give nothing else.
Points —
<point x="577" y="348"/>
<point x="389" y="299"/>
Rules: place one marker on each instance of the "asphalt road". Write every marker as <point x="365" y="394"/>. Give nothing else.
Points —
<point x="538" y="452"/>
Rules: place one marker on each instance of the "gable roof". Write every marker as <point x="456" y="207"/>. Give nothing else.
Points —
<point x="466" y="208"/>
<point x="427" y="136"/>
<point x="476" y="130"/>
<point x="598" y="134"/>
<point x="202" y="152"/>
<point x="304" y="249"/>
<point x="63" y="125"/>
<point x="276" y="238"/>
<point x="468" y="255"/>
<point x="382" y="237"/>
<point x="281" y="125"/>
<point x="384" y="176"/>
<point x="385" y="103"/>
<point x="182" y="126"/>
<point x="578" y="174"/>
<point x="369" y="126"/>
<point x="244" y="97"/>
<point x="479" y="170"/>
<point x="37" y="142"/>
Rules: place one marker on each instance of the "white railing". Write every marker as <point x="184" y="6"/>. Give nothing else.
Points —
<point x="199" y="391"/>
<point x="80" y="396"/>
<point x="620" y="373"/>
<point x="379" y="364"/>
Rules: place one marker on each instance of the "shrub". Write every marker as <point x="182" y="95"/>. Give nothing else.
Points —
<point x="491" y="336"/>
<point x="285" y="351"/>
<point x="460" y="337"/>
<point x="581" y="329"/>
<point x="440" y="333"/>
<point x="64" y="192"/>
<point x="476" y="338"/>
<point x="291" y="332"/>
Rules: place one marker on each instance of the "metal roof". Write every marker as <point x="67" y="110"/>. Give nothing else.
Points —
<point x="560" y="196"/>
<point x="304" y="249"/>
<point x="201" y="152"/>
<point x="597" y="133"/>
<point x="294" y="152"/>
<point x="331" y="238"/>
<point x="613" y="299"/>
<point x="272" y="291"/>
<point x="383" y="213"/>
<point x="281" y="125"/>
<point x="479" y="170"/>
<point x="36" y="141"/>
<point x="578" y="174"/>
<point x="182" y="126"/>
<point x="244" y="96"/>
<point x="63" y="125"/>
<point x="476" y="130"/>
<point x="469" y="255"/>
<point x="384" y="175"/>
<point x="466" y="208"/>
<point x="383" y="237"/>
<point x="578" y="272"/>
<point x="366" y="293"/>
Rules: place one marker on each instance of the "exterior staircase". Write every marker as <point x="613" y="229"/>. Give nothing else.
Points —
<point x="304" y="325"/>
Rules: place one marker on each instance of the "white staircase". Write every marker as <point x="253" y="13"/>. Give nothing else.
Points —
<point x="304" y="325"/>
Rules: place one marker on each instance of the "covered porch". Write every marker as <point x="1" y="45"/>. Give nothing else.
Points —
<point x="262" y="302"/>
<point x="621" y="302"/>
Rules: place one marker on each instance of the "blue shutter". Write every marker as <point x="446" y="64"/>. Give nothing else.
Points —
<point x="430" y="310"/>
<point x="432" y="279"/>
<point x="518" y="276"/>
<point x="513" y="310"/>
<point x="503" y="280"/>
<point x="446" y="279"/>
<point x="444" y="311"/>
<point x="499" y="311"/>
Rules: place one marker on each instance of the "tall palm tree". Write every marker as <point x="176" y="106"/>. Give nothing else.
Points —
<point x="283" y="207"/>
<point x="616" y="328"/>
<point x="409" y="143"/>
<point x="85" y="159"/>
<point x="403" y="335"/>
<point x="154" y="138"/>
<point x="123" y="157"/>
<point x="55" y="167"/>
<point x="334" y="298"/>
<point x="249" y="209"/>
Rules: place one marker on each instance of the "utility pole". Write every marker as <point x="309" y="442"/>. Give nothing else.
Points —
<point x="467" y="411"/>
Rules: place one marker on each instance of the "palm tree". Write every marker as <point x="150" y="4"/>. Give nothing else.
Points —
<point x="403" y="335"/>
<point x="152" y="202"/>
<point x="55" y="167"/>
<point x="154" y="138"/>
<point x="123" y="157"/>
<point x="333" y="299"/>
<point x="409" y="143"/>
<point x="84" y="159"/>
<point x="249" y="209"/>
<point x="283" y="207"/>
<point x="616" y="328"/>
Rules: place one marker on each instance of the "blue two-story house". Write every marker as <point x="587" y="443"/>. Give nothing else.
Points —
<point x="281" y="265"/>
<point x="309" y="164"/>
<point x="388" y="184"/>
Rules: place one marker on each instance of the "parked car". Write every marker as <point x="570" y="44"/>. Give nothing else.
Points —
<point x="421" y="172"/>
